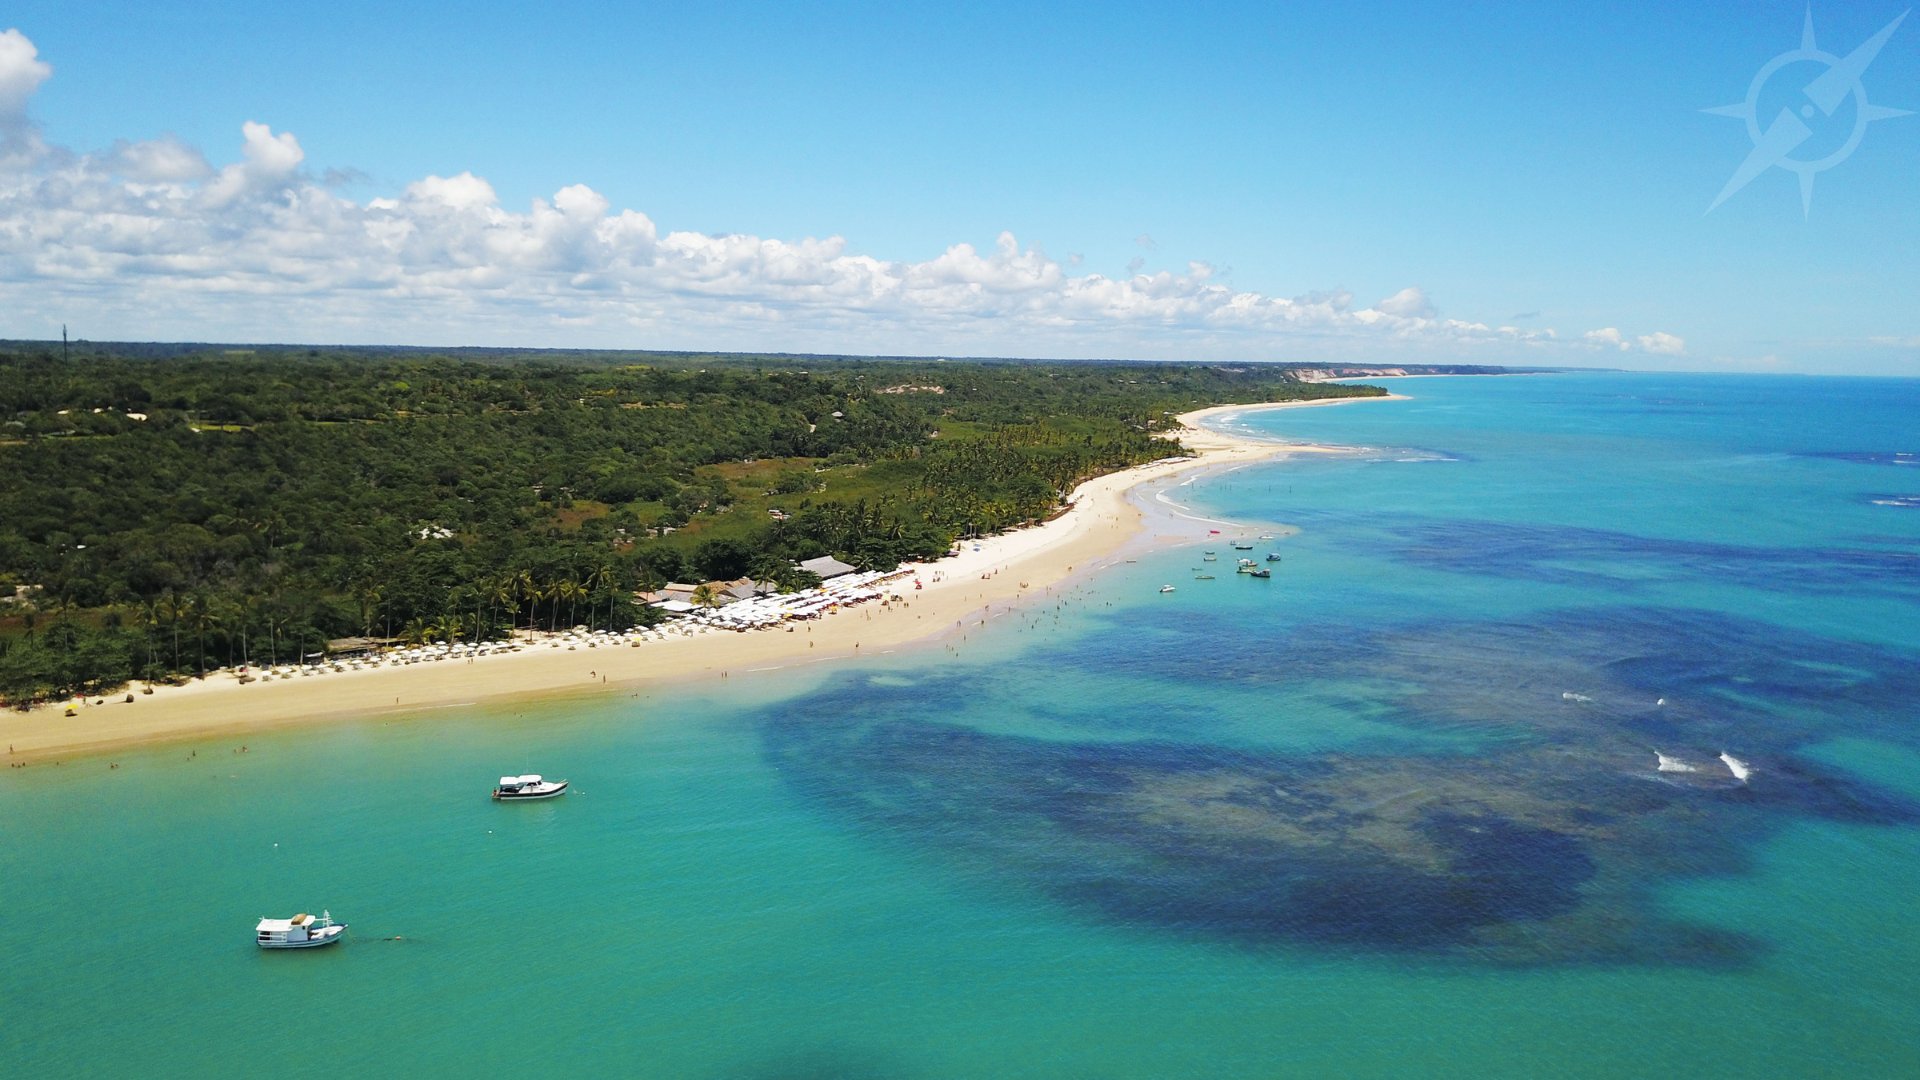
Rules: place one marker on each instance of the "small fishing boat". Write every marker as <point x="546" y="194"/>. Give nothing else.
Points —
<point x="1273" y="556"/>
<point x="300" y="932"/>
<point x="1237" y="546"/>
<point x="1166" y="588"/>
<point x="1263" y="572"/>
<point x="528" y="787"/>
<point x="1204" y="577"/>
<point x="1266" y="536"/>
<point x="1210" y="558"/>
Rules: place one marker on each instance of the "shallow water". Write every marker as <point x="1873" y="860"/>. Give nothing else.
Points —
<point x="1396" y="811"/>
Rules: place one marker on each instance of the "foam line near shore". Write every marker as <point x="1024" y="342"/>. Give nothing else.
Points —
<point x="992" y="571"/>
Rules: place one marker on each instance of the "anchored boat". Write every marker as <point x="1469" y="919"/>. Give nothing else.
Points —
<point x="528" y="787"/>
<point x="300" y="932"/>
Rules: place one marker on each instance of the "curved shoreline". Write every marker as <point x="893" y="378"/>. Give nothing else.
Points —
<point x="954" y="591"/>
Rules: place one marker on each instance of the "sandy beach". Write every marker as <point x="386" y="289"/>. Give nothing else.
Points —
<point x="960" y="590"/>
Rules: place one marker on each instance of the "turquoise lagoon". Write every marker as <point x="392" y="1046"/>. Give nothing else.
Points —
<point x="1394" y="812"/>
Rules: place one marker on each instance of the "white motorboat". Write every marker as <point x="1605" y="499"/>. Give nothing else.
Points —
<point x="528" y="787"/>
<point x="1166" y="588"/>
<point x="300" y="932"/>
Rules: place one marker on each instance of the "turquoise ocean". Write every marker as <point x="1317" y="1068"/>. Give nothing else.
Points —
<point x="1396" y="811"/>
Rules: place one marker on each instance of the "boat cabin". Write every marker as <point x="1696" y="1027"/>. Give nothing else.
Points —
<point x="510" y="784"/>
<point x="289" y="931"/>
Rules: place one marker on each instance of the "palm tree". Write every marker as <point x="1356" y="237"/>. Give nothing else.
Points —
<point x="602" y="578"/>
<point x="500" y="592"/>
<point x="56" y="604"/>
<point x="276" y="622"/>
<point x="768" y="567"/>
<point x="524" y="589"/>
<point x="705" y="595"/>
<point x="570" y="591"/>
<point x="249" y="610"/>
<point x="269" y="525"/>
<point x="416" y="631"/>
<point x="232" y="613"/>
<point x="148" y="612"/>
<point x="173" y="610"/>
<point x="368" y="595"/>
<point x="449" y="627"/>
<point x="204" y="617"/>
<point x="554" y="593"/>
<point x="479" y="598"/>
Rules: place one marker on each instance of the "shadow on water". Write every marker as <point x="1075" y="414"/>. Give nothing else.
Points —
<point x="1545" y="842"/>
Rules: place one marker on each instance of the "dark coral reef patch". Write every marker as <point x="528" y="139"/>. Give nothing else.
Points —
<point x="1544" y="839"/>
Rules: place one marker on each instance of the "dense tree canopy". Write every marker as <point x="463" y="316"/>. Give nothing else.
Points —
<point x="169" y="513"/>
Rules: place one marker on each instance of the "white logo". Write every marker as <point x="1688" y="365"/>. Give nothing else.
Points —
<point x="1828" y="91"/>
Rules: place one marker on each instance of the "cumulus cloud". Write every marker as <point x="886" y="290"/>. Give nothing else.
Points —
<point x="1665" y="344"/>
<point x="21" y="73"/>
<point x="149" y="238"/>
<point x="1408" y="303"/>
<point x="272" y="163"/>
<point x="165" y="160"/>
<point x="1657" y="343"/>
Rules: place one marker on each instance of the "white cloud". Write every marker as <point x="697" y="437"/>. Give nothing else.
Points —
<point x="21" y="73"/>
<point x="1410" y="302"/>
<point x="1657" y="343"/>
<point x="272" y="164"/>
<point x="1606" y="338"/>
<point x="165" y="160"/>
<point x="1664" y="344"/>
<point x="149" y="240"/>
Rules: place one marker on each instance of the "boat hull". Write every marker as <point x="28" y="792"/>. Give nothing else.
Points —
<point x="326" y="937"/>
<point x="519" y="796"/>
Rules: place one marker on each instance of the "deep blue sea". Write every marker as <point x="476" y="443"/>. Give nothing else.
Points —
<point x="1398" y="811"/>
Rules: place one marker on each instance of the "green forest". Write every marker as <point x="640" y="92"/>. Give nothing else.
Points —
<point x="167" y="511"/>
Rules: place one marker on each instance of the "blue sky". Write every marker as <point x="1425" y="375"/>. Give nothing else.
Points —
<point x="1528" y="166"/>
